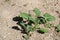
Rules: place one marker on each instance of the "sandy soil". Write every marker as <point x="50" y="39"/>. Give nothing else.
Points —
<point x="12" y="8"/>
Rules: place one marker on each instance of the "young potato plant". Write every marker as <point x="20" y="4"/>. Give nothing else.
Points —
<point x="28" y="20"/>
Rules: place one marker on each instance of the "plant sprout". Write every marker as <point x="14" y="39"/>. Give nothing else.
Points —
<point x="36" y="21"/>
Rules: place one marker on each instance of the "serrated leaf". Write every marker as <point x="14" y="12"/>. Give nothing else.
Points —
<point x="37" y="11"/>
<point x="49" y="17"/>
<point x="24" y="15"/>
<point x="43" y="30"/>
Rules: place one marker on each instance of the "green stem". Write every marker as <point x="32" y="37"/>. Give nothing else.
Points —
<point x="36" y="26"/>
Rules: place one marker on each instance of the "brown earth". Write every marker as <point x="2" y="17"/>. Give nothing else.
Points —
<point x="12" y="8"/>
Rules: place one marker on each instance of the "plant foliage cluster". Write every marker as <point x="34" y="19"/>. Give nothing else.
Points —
<point x="31" y="24"/>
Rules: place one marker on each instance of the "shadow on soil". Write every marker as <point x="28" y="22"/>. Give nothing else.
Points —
<point x="19" y="20"/>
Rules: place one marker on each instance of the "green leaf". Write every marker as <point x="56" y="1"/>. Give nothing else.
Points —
<point x="23" y="24"/>
<point x="41" y="20"/>
<point x="30" y="28"/>
<point x="58" y="28"/>
<point x="26" y="37"/>
<point x="24" y="15"/>
<point x="43" y="30"/>
<point x="27" y="16"/>
<point x="32" y="19"/>
<point x="37" y="11"/>
<point x="49" y="17"/>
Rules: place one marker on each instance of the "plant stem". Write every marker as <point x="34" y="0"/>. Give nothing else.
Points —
<point x="36" y="26"/>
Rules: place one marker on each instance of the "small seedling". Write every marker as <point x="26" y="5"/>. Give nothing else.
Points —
<point x="28" y="20"/>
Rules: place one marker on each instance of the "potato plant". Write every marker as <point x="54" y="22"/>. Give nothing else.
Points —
<point x="31" y="24"/>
